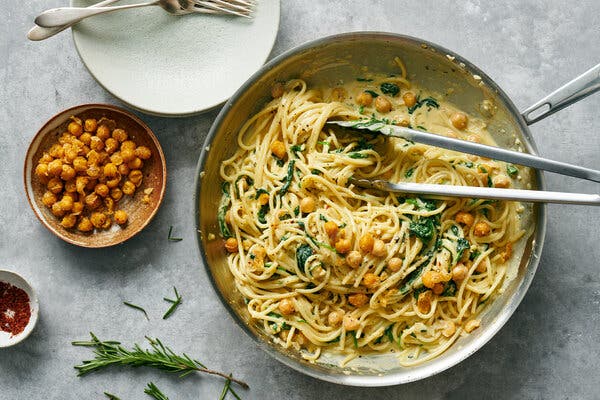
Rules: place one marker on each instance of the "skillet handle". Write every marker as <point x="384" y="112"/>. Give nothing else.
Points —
<point x="572" y="92"/>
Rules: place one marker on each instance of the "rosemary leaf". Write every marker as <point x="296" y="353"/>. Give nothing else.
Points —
<point x="111" y="396"/>
<point x="159" y="356"/>
<point x="225" y="389"/>
<point x="174" y="304"/>
<point x="137" y="308"/>
<point x="171" y="238"/>
<point x="155" y="392"/>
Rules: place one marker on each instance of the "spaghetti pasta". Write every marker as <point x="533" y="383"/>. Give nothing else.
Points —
<point x="327" y="266"/>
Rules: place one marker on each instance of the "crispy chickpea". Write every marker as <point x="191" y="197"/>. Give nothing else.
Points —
<point x="57" y="210"/>
<point x="46" y="158"/>
<point x="343" y="246"/>
<point x="286" y="306"/>
<point x="331" y="229"/>
<point x="143" y="152"/>
<point x="364" y="99"/>
<point x="110" y="170"/>
<point x="116" y="158"/>
<point x="86" y="138"/>
<point x="55" y="185"/>
<point x="111" y="145"/>
<point x="366" y="243"/>
<point x="464" y="218"/>
<point x="66" y="203"/>
<point x="90" y="125"/>
<point x="383" y="105"/>
<point x="93" y="157"/>
<point x="101" y="190"/>
<point x="459" y="272"/>
<point x="438" y="288"/>
<point x="71" y="153"/>
<point x="278" y="149"/>
<point x="116" y="193"/>
<point x="67" y="173"/>
<point x="75" y="128"/>
<point x="85" y="225"/>
<point x="93" y="171"/>
<point x="471" y="325"/>
<point x="98" y="219"/>
<point x="394" y="264"/>
<point x="430" y="278"/>
<point x="127" y="155"/>
<point x="96" y="143"/>
<point x="335" y="317"/>
<point x="409" y="99"/>
<point x="354" y="259"/>
<point x="55" y="167"/>
<point x="113" y="183"/>
<point x="128" y="188"/>
<point x="370" y="280"/>
<point x="41" y="170"/>
<point x="338" y="94"/>
<point x="351" y="323"/>
<point x="120" y="135"/>
<point x="136" y="177"/>
<point x="448" y="328"/>
<point x="92" y="201"/>
<point x="379" y="249"/>
<point x="49" y="198"/>
<point x="69" y="221"/>
<point x="263" y="199"/>
<point x="231" y="245"/>
<point x="80" y="183"/>
<point x="123" y="169"/>
<point x="459" y="120"/>
<point x="77" y="208"/>
<point x="424" y="302"/>
<point x="481" y="229"/>
<point x="307" y="205"/>
<point x="121" y="217"/>
<point x="501" y="181"/>
<point x="358" y="299"/>
<point x="129" y="145"/>
<point x="136" y="163"/>
<point x="103" y="132"/>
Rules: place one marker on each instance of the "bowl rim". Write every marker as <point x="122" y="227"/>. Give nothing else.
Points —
<point x="511" y="304"/>
<point x="161" y="157"/>
<point x="33" y="304"/>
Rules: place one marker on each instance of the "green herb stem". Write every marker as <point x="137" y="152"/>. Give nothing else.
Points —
<point x="155" y="392"/>
<point x="137" y="308"/>
<point x="174" y="304"/>
<point x="171" y="238"/>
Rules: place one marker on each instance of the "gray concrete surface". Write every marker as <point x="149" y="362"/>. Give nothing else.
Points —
<point x="549" y="349"/>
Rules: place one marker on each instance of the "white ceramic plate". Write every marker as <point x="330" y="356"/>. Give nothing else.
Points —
<point x="174" y="65"/>
<point x="6" y="340"/>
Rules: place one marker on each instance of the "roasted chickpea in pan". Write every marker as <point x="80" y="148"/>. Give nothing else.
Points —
<point x="88" y="171"/>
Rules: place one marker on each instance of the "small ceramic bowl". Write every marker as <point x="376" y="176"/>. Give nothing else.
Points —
<point x="154" y="170"/>
<point x="6" y="340"/>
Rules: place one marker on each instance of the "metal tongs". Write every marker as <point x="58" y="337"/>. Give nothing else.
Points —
<point x="580" y="87"/>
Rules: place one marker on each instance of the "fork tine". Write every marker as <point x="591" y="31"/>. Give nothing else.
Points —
<point x="210" y="5"/>
<point x="228" y="4"/>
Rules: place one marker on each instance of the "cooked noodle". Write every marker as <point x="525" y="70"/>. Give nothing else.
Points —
<point x="295" y="270"/>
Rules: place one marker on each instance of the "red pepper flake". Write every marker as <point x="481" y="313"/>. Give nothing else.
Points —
<point x="14" y="309"/>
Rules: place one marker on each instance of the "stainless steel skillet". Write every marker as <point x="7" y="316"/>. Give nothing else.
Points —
<point x="344" y="57"/>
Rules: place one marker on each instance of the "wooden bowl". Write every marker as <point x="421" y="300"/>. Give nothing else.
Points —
<point x="154" y="170"/>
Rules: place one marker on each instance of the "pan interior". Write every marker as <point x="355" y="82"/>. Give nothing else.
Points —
<point x="341" y="59"/>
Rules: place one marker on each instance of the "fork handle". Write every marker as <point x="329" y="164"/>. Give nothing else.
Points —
<point x="69" y="15"/>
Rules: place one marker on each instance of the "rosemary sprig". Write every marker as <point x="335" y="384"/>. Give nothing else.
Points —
<point x="171" y="238"/>
<point x="137" y="308"/>
<point x="111" y="396"/>
<point x="155" y="392"/>
<point x="109" y="353"/>
<point x="174" y="304"/>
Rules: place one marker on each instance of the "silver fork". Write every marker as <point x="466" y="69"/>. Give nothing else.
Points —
<point x="67" y="15"/>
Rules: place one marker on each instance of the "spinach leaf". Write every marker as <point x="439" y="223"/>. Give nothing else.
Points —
<point x="225" y="232"/>
<point x="474" y="255"/>
<point x="389" y="88"/>
<point x="423" y="228"/>
<point x="372" y="93"/>
<point x="296" y="211"/>
<point x="249" y="181"/>
<point x="262" y="212"/>
<point x="511" y="169"/>
<point x="296" y="149"/>
<point x="288" y="178"/>
<point x="409" y="172"/>
<point x="315" y="171"/>
<point x="303" y="252"/>
<point x="454" y="230"/>
<point x="259" y="192"/>
<point x="449" y="289"/>
<point x="322" y="218"/>
<point x="461" y="246"/>
<point x="356" y="155"/>
<point x="428" y="101"/>
<point x="364" y="80"/>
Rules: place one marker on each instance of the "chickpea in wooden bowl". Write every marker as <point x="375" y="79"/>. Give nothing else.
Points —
<point x="95" y="175"/>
